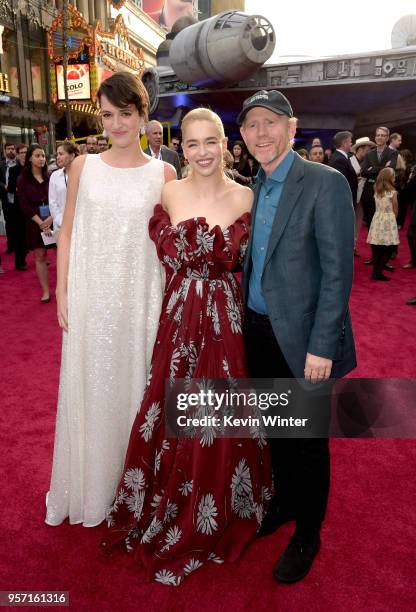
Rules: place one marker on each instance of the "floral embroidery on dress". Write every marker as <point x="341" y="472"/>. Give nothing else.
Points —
<point x="134" y="479"/>
<point x="383" y="229"/>
<point x="180" y="502"/>
<point x="152" y="415"/>
<point x="186" y="487"/>
<point x="207" y="512"/>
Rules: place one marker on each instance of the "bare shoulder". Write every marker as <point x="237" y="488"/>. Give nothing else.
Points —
<point x="77" y="166"/>
<point x="172" y="186"/>
<point x="241" y="198"/>
<point x="169" y="191"/>
<point x="170" y="172"/>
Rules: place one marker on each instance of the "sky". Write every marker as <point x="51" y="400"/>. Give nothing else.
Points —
<point x="327" y="27"/>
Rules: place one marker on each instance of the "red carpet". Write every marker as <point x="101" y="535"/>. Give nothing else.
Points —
<point x="367" y="559"/>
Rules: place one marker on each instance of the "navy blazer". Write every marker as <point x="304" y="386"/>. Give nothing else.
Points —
<point x="371" y="165"/>
<point x="308" y="269"/>
<point x="339" y="162"/>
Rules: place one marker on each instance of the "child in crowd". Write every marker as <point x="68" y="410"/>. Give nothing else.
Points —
<point x="383" y="234"/>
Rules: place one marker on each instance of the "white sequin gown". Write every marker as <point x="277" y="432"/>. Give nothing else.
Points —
<point x="114" y="301"/>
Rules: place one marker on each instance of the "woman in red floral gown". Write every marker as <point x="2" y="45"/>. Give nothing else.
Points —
<point x="182" y="502"/>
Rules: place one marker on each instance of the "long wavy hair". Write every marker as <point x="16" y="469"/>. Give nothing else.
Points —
<point x="27" y="168"/>
<point x="384" y="182"/>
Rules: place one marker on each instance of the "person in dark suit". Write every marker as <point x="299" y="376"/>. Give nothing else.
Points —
<point x="156" y="148"/>
<point x="297" y="278"/>
<point x="3" y="191"/>
<point x="16" y="217"/>
<point x="6" y="164"/>
<point x="374" y="161"/>
<point x="340" y="161"/>
<point x="410" y="195"/>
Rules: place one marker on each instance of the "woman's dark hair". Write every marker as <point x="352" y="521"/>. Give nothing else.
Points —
<point x="243" y="159"/>
<point x="122" y="89"/>
<point x="242" y="146"/>
<point x="27" y="168"/>
<point x="407" y="156"/>
<point x="69" y="147"/>
<point x="20" y="146"/>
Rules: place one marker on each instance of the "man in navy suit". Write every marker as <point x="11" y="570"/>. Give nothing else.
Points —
<point x="297" y="279"/>
<point x="340" y="160"/>
<point x="375" y="160"/>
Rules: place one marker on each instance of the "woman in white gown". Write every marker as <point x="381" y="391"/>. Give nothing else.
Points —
<point x="109" y="294"/>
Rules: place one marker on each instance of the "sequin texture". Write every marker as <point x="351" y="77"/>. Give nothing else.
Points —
<point x="114" y="301"/>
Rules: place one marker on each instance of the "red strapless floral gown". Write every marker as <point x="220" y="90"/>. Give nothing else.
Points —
<point x="183" y="502"/>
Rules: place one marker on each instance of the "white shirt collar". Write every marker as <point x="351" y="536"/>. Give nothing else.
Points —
<point x="153" y="154"/>
<point x="343" y="152"/>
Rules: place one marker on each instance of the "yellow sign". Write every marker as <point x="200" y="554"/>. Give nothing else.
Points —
<point x="4" y="83"/>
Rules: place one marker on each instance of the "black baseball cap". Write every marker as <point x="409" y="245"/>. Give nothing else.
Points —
<point x="272" y="100"/>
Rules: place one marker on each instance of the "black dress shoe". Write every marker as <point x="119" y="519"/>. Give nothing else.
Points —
<point x="368" y="262"/>
<point x="389" y="267"/>
<point x="297" y="559"/>
<point x="380" y="277"/>
<point x="21" y="268"/>
<point x="411" y="302"/>
<point x="272" y="521"/>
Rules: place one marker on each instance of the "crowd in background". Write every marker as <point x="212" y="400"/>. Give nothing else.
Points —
<point x="381" y="175"/>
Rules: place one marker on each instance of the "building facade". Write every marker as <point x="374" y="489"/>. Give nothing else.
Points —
<point x="26" y="113"/>
<point x="104" y="37"/>
<point x="96" y="52"/>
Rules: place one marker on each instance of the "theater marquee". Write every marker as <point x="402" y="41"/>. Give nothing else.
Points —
<point x="94" y="56"/>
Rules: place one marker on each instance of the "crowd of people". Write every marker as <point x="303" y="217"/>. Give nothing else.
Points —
<point x="361" y="164"/>
<point x="128" y="328"/>
<point x="382" y="179"/>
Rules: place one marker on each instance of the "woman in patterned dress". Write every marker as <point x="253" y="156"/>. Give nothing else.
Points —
<point x="181" y="502"/>
<point x="383" y="234"/>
